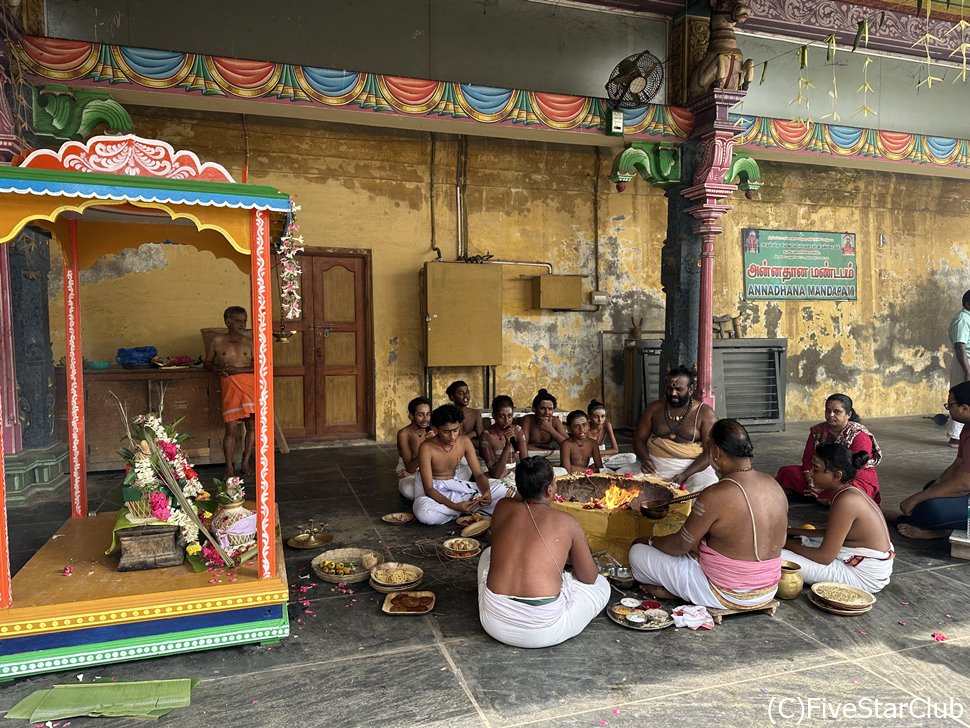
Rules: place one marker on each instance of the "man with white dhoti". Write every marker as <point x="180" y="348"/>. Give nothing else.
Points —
<point x="409" y="439"/>
<point x="444" y="496"/>
<point x="524" y="597"/>
<point x="669" y="439"/>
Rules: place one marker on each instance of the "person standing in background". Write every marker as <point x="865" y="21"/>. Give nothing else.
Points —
<point x="960" y="367"/>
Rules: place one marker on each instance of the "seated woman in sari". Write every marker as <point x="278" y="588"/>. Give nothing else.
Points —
<point x="854" y="548"/>
<point x="842" y="426"/>
<point x="737" y="525"/>
<point x="525" y="599"/>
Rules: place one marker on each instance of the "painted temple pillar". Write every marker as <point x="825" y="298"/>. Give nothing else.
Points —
<point x="713" y="141"/>
<point x="263" y="379"/>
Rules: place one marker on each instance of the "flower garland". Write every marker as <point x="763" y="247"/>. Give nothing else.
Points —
<point x="289" y="245"/>
<point x="143" y="479"/>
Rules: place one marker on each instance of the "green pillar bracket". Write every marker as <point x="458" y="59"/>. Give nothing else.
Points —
<point x="657" y="162"/>
<point x="745" y="173"/>
<point x="68" y="113"/>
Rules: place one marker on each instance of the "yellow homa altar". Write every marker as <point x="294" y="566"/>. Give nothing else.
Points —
<point x="607" y="507"/>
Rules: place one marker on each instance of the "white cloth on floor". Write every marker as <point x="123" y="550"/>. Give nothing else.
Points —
<point x="667" y="468"/>
<point x="682" y="575"/>
<point x="871" y="573"/>
<point x="431" y="512"/>
<point x="524" y="625"/>
<point x="692" y="617"/>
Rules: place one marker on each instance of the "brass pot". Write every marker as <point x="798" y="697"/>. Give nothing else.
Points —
<point x="791" y="583"/>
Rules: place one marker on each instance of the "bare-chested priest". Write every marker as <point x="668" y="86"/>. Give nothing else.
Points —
<point x="230" y="355"/>
<point x="445" y="497"/>
<point x="409" y="439"/>
<point x="669" y="439"/>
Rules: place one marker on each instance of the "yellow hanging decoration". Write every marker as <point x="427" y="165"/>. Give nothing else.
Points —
<point x="866" y="89"/>
<point x="764" y="72"/>
<point x="962" y="26"/>
<point x="834" y="95"/>
<point x="803" y="57"/>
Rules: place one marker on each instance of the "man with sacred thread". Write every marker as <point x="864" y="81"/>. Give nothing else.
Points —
<point x="669" y="439"/>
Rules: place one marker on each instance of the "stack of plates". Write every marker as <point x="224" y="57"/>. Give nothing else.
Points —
<point x="462" y="548"/>
<point x="395" y="576"/>
<point x="841" y="599"/>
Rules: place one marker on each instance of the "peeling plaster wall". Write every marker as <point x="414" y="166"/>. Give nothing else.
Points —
<point x="155" y="295"/>
<point x="889" y="349"/>
<point x="372" y="189"/>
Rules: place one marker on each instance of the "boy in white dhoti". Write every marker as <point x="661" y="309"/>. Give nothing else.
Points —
<point x="524" y="597"/>
<point x="669" y="439"/>
<point x="409" y="438"/>
<point x="445" y="497"/>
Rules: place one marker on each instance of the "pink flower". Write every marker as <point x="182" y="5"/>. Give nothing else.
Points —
<point x="68" y="570"/>
<point x="169" y="448"/>
<point x="159" y="505"/>
<point x="628" y="475"/>
<point x="589" y="471"/>
<point x="939" y="637"/>
<point x="211" y="556"/>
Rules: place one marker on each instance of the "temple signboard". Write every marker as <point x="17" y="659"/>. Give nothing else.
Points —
<point x="799" y="265"/>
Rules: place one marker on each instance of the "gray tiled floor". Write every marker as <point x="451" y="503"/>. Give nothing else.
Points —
<point x="349" y="664"/>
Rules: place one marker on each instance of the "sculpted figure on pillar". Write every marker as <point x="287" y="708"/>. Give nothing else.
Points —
<point x="723" y="65"/>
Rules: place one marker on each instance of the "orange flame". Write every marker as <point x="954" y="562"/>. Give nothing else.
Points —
<point x="616" y="497"/>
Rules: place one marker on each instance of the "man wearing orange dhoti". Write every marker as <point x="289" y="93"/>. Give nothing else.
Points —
<point x="230" y="355"/>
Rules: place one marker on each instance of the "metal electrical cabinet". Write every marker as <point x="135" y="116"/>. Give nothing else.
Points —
<point x="462" y="313"/>
<point x="749" y="378"/>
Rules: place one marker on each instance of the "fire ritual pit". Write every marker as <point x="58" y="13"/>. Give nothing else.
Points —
<point x="607" y="506"/>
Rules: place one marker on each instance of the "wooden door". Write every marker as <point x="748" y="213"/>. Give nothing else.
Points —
<point x="327" y="363"/>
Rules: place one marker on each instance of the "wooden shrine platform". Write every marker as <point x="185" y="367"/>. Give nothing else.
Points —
<point x="100" y="615"/>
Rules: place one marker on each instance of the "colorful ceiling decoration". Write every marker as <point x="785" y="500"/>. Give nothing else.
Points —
<point x="174" y="72"/>
<point x="850" y="141"/>
<point x="96" y="64"/>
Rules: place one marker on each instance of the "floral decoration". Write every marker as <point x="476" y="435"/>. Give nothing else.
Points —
<point x="289" y="267"/>
<point x="161" y="484"/>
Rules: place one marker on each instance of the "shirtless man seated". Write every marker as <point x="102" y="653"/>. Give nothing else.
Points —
<point x="525" y="599"/>
<point x="409" y="438"/>
<point x="542" y="428"/>
<point x="230" y="355"/>
<point x="578" y="449"/>
<point x="671" y="433"/>
<point x="445" y="497"/>
<point x="503" y="442"/>
<point x="471" y="424"/>
<point x="737" y="526"/>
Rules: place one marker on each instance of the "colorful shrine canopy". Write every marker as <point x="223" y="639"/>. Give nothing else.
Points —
<point x="161" y="195"/>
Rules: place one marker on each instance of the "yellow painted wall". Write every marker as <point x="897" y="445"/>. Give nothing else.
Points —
<point x="164" y="306"/>
<point x="888" y="349"/>
<point x="371" y="189"/>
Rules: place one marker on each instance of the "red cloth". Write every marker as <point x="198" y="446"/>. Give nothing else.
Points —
<point x="857" y="438"/>
<point x="237" y="396"/>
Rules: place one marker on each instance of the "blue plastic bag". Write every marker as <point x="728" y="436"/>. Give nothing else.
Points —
<point x="136" y="356"/>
